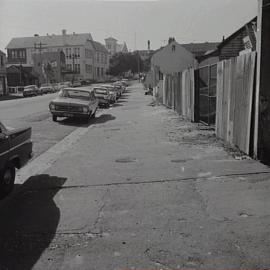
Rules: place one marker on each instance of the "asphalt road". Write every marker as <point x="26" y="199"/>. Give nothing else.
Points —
<point x="34" y="112"/>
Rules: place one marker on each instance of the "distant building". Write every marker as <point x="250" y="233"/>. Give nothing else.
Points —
<point x="50" y="66"/>
<point x="3" y="74"/>
<point x="113" y="47"/>
<point x="200" y="49"/>
<point x="170" y="59"/>
<point x="145" y="54"/>
<point x="86" y="58"/>
<point x="241" y="41"/>
<point x="18" y="75"/>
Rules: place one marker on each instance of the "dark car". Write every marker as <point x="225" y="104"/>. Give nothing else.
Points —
<point x="15" y="150"/>
<point x="74" y="102"/>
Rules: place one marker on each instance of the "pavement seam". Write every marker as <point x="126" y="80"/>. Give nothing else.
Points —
<point x="194" y="179"/>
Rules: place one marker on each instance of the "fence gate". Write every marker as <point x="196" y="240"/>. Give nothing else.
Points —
<point x="206" y="89"/>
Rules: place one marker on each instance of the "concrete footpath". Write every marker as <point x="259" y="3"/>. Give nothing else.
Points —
<point x="139" y="188"/>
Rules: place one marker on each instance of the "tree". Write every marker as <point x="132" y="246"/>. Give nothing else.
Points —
<point x="125" y="62"/>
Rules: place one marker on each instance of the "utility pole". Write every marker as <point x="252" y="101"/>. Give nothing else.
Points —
<point x="40" y="47"/>
<point x="73" y="67"/>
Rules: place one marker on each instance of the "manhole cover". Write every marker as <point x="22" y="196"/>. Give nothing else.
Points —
<point x="126" y="160"/>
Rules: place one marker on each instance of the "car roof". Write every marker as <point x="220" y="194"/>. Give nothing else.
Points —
<point x="100" y="87"/>
<point x="79" y="89"/>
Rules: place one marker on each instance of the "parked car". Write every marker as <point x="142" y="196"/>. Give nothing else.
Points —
<point x="63" y="85"/>
<point x="119" y="88"/>
<point x="46" y="89"/>
<point x="112" y="92"/>
<point x="55" y="87"/>
<point x="15" y="150"/>
<point x="122" y="85"/>
<point x="31" y="90"/>
<point x="76" y="84"/>
<point x="74" y="102"/>
<point x="103" y="96"/>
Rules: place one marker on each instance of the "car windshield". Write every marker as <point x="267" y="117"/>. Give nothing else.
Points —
<point x="29" y="87"/>
<point x="66" y="93"/>
<point x="100" y="91"/>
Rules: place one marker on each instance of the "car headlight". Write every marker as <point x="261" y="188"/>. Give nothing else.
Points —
<point x="52" y="106"/>
<point x="85" y="109"/>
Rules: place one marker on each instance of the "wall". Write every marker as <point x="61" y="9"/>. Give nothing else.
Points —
<point x="263" y="100"/>
<point x="170" y="61"/>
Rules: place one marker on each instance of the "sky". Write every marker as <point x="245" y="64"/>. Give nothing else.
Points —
<point x="134" y="22"/>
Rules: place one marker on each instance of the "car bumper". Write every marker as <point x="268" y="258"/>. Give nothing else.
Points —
<point x="70" y="114"/>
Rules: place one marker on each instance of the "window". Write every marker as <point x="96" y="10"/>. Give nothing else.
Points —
<point x="13" y="54"/>
<point x="102" y="72"/>
<point x="98" y="71"/>
<point x="69" y="67"/>
<point x="160" y="75"/>
<point x="76" y="52"/>
<point x="77" y="68"/>
<point x="97" y="57"/>
<point x="66" y="54"/>
<point x="88" y="68"/>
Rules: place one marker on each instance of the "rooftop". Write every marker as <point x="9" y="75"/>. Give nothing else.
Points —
<point x="50" y="40"/>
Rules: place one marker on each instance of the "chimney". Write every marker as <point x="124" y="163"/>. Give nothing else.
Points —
<point x="64" y="33"/>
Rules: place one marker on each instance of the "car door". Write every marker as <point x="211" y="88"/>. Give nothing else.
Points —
<point x="4" y="146"/>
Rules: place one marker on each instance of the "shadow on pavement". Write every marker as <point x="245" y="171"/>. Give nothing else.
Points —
<point x="29" y="221"/>
<point x="104" y="118"/>
<point x="76" y="122"/>
<point x="117" y="105"/>
<point x="10" y="97"/>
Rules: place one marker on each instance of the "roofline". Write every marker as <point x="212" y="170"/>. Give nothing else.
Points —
<point x="79" y="88"/>
<point x="235" y="33"/>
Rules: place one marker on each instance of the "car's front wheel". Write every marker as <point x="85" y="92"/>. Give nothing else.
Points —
<point x="54" y="118"/>
<point x="7" y="178"/>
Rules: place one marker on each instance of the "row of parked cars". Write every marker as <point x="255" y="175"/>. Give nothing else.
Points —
<point x="16" y="145"/>
<point x="83" y="102"/>
<point x="46" y="88"/>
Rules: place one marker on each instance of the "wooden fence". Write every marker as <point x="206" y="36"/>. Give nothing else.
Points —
<point x="235" y="89"/>
<point x="179" y="93"/>
<point x="234" y="102"/>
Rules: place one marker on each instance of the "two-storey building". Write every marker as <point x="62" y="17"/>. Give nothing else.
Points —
<point x="85" y="58"/>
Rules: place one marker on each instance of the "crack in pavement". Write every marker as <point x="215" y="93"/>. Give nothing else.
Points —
<point x="162" y="181"/>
